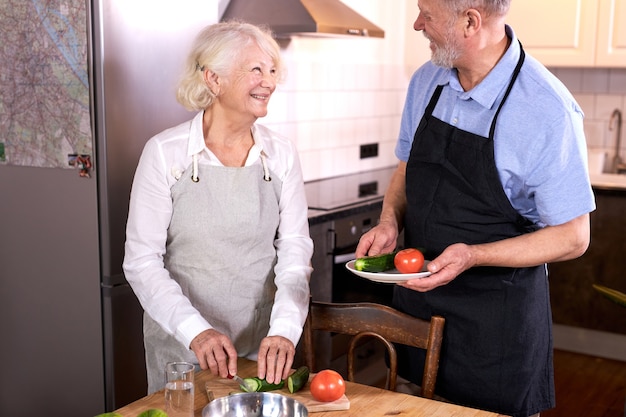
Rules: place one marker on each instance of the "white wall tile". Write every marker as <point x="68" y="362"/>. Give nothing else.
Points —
<point x="571" y="77"/>
<point x="605" y="104"/>
<point x="617" y="81"/>
<point x="595" y="80"/>
<point x="595" y="134"/>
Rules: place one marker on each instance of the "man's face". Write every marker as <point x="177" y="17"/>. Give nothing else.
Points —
<point x="441" y="29"/>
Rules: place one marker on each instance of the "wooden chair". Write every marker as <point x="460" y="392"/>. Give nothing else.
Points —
<point x="384" y="323"/>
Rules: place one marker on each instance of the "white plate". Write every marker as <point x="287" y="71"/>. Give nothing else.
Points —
<point x="391" y="277"/>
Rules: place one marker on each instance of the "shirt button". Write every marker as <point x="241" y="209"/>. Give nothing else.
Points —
<point x="455" y="120"/>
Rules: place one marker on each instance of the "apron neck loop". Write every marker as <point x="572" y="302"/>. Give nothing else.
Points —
<point x="194" y="170"/>
<point x="266" y="171"/>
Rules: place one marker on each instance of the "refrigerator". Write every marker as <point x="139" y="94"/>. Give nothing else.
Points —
<point x="138" y="49"/>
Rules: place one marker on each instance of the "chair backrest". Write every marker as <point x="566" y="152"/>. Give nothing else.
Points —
<point x="384" y="323"/>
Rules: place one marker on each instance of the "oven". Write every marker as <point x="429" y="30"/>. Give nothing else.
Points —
<point x="342" y="209"/>
<point x="347" y="287"/>
<point x="335" y="245"/>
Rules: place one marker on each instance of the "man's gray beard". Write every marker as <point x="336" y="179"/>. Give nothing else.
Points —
<point x="445" y="57"/>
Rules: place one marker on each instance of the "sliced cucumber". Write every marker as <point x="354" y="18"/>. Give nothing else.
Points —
<point x="298" y="379"/>
<point x="376" y="263"/>
<point x="260" y="385"/>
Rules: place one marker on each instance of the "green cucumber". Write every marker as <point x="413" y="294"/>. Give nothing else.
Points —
<point x="298" y="379"/>
<point x="376" y="263"/>
<point x="260" y="385"/>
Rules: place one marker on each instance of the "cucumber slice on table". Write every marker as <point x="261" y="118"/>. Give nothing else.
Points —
<point x="298" y="379"/>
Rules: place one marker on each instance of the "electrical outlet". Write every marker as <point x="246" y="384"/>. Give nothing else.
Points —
<point x="368" y="188"/>
<point x="369" y="150"/>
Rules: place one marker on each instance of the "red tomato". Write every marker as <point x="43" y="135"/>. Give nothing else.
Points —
<point x="409" y="261"/>
<point x="327" y="386"/>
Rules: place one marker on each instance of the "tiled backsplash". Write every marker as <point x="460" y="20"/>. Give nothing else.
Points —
<point x="344" y="92"/>
<point x="341" y="93"/>
<point x="599" y="91"/>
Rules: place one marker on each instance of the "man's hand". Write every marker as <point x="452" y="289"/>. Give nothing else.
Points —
<point x="216" y="352"/>
<point x="378" y="240"/>
<point x="275" y="358"/>
<point x="454" y="260"/>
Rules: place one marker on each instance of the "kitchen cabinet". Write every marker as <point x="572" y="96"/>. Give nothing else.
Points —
<point x="574" y="301"/>
<point x="572" y="33"/>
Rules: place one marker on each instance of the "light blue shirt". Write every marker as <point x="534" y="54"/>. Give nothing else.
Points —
<point x="539" y="142"/>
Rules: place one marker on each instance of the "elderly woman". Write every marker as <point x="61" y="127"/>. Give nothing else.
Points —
<point x="217" y="241"/>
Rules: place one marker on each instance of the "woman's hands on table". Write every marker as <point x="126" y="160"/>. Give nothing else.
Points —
<point x="275" y="358"/>
<point x="216" y="352"/>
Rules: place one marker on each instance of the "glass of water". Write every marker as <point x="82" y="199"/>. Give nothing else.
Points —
<point x="179" y="393"/>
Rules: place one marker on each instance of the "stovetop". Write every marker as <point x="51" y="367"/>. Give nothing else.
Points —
<point x="347" y="190"/>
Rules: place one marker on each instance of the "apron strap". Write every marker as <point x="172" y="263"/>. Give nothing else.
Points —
<point x="508" y="90"/>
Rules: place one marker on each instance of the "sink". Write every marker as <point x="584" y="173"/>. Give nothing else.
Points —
<point x="607" y="180"/>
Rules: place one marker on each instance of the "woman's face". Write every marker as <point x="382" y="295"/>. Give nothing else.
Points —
<point x="249" y="86"/>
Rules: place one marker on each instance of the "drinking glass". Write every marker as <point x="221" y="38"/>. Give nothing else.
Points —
<point x="179" y="392"/>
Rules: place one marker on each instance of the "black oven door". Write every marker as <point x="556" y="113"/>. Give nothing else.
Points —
<point x="350" y="288"/>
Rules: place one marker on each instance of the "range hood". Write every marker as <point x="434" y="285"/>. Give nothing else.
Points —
<point x="303" y="17"/>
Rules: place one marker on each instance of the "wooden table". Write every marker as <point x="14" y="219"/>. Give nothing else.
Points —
<point x="364" y="400"/>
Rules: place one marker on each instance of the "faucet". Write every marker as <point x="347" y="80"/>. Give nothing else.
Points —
<point x="616" y="119"/>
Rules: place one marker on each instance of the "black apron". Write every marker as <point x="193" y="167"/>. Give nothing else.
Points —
<point x="497" y="345"/>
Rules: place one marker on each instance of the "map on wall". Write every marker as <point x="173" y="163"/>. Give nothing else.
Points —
<point x="44" y="82"/>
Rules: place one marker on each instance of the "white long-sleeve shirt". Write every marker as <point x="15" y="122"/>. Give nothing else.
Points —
<point x="165" y="157"/>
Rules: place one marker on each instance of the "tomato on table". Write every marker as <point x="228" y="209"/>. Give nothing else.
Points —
<point x="409" y="261"/>
<point x="327" y="386"/>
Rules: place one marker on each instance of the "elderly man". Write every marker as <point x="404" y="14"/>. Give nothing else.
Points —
<point x="492" y="182"/>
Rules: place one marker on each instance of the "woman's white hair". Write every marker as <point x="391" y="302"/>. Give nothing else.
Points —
<point x="217" y="48"/>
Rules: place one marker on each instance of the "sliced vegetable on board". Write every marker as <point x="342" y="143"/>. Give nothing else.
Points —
<point x="298" y="379"/>
<point x="260" y="385"/>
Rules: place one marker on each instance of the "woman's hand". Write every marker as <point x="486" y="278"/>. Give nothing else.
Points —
<point x="216" y="352"/>
<point x="275" y="358"/>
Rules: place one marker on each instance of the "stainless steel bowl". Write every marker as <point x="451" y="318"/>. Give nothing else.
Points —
<point x="255" y="404"/>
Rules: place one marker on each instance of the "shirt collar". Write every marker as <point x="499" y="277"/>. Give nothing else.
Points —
<point x="196" y="139"/>
<point x="491" y="87"/>
<point x="196" y="136"/>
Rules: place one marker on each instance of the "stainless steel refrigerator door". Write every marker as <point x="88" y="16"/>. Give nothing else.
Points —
<point x="125" y="372"/>
<point x="138" y="50"/>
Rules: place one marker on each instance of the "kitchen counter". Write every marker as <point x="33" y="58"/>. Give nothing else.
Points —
<point x="323" y="216"/>
<point x="606" y="181"/>
<point x="575" y="304"/>
<point x="338" y="197"/>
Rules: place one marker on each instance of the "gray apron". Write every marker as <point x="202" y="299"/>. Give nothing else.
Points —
<point x="220" y="250"/>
